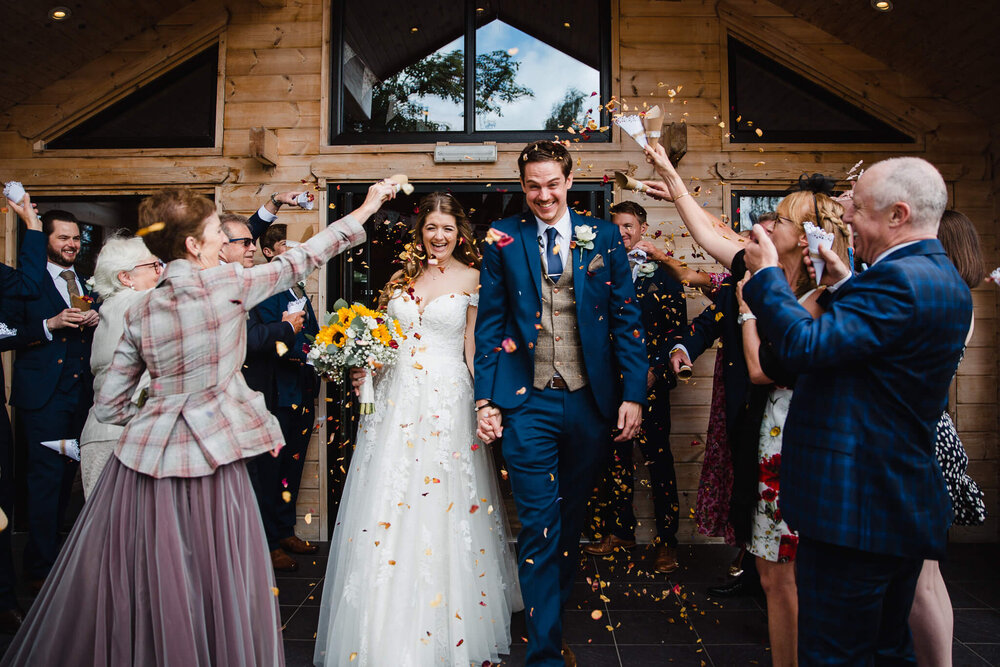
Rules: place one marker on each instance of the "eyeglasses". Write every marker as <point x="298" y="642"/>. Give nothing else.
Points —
<point x="157" y="266"/>
<point x="247" y="242"/>
<point x="782" y="218"/>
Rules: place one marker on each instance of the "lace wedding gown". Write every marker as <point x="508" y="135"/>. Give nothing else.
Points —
<point x="420" y="572"/>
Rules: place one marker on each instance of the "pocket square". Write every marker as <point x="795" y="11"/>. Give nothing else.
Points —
<point x="596" y="263"/>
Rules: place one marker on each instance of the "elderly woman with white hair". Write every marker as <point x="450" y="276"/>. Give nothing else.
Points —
<point x="125" y="269"/>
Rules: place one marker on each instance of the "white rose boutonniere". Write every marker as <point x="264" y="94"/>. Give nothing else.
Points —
<point x="583" y="238"/>
<point x="647" y="269"/>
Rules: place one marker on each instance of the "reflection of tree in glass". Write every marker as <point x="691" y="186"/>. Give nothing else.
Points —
<point x="397" y="100"/>
<point x="567" y="113"/>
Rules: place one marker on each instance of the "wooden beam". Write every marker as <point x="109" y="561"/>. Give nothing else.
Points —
<point x="768" y="169"/>
<point x="264" y="146"/>
<point x="273" y="4"/>
<point x="87" y="172"/>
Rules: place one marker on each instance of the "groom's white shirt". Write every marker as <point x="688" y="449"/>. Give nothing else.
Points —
<point x="564" y="235"/>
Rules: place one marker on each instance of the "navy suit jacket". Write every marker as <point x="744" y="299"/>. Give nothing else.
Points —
<point x="286" y="380"/>
<point x="40" y="362"/>
<point x="664" y="317"/>
<point x="608" y="316"/>
<point x="718" y="320"/>
<point x="21" y="283"/>
<point x="858" y="467"/>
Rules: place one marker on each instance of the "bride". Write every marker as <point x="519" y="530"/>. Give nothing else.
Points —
<point x="420" y="572"/>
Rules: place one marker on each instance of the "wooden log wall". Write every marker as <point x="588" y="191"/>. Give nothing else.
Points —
<point x="275" y="75"/>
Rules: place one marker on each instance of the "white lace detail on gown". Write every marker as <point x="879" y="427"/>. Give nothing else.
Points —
<point x="420" y="572"/>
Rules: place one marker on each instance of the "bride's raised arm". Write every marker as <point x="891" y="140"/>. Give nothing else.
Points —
<point x="717" y="239"/>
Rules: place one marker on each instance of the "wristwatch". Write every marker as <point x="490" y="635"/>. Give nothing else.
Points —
<point x="742" y="318"/>
<point x="275" y="201"/>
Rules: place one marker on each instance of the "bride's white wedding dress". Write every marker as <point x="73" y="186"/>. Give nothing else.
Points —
<point x="420" y="572"/>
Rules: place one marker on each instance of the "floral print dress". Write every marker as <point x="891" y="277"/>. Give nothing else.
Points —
<point x="771" y="538"/>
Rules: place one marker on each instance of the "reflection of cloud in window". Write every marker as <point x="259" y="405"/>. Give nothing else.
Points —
<point x="546" y="71"/>
<point x="751" y="206"/>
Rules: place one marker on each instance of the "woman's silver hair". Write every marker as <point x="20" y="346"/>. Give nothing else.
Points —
<point x="912" y="180"/>
<point x="120" y="253"/>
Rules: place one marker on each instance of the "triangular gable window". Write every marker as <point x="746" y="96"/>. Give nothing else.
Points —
<point x="176" y="110"/>
<point x="788" y="108"/>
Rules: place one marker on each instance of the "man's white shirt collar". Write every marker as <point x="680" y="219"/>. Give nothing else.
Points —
<point x="894" y="249"/>
<point x="564" y="234"/>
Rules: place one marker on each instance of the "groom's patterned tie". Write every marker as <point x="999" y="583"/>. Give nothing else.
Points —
<point x="555" y="257"/>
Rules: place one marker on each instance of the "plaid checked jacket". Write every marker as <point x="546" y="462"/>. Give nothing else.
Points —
<point x="190" y="332"/>
<point x="857" y="464"/>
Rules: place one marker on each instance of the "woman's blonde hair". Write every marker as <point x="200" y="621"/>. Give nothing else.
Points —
<point x="414" y="257"/>
<point x="800" y="207"/>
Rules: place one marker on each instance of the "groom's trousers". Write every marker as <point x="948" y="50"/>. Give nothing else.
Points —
<point x="553" y="445"/>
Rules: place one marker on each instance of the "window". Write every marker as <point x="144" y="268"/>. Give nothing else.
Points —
<point x="770" y="103"/>
<point x="176" y="110"/>
<point x="473" y="71"/>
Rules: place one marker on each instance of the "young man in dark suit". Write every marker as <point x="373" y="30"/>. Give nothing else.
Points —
<point x="52" y="387"/>
<point x="290" y="389"/>
<point x="664" y="316"/>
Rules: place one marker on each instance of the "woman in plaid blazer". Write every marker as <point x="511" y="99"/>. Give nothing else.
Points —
<point x="167" y="564"/>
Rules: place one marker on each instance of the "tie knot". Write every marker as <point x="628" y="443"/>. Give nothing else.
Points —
<point x="551" y="234"/>
<point x="67" y="275"/>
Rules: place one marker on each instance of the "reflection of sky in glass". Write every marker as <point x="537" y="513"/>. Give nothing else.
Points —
<point x="546" y="71"/>
<point x="441" y="110"/>
<point x="752" y="206"/>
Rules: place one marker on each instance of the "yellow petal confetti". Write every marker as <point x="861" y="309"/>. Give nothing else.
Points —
<point x="286" y="496"/>
<point x="436" y="602"/>
<point x="596" y="614"/>
<point x="275" y="591"/>
<point x="759" y="132"/>
<point x="308" y="517"/>
<point x="280" y="348"/>
<point x="155" y="227"/>
<point x="354" y="656"/>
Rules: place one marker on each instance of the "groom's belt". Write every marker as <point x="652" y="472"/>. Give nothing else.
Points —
<point x="556" y="383"/>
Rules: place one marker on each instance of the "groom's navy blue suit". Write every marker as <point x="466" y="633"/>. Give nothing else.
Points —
<point x="859" y="478"/>
<point x="555" y="439"/>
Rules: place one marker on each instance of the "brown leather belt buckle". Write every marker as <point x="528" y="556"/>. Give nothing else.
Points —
<point x="556" y="383"/>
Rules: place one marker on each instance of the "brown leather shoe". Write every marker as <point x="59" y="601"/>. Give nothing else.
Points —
<point x="10" y="621"/>
<point x="665" y="560"/>
<point x="608" y="545"/>
<point x="282" y="562"/>
<point x="296" y="546"/>
<point x="568" y="656"/>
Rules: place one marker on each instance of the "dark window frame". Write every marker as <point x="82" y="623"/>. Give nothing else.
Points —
<point x="469" y="134"/>
<point x="176" y="143"/>
<point x="736" y="46"/>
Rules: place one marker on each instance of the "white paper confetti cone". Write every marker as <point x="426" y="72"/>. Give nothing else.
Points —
<point x="817" y="238"/>
<point x="653" y="123"/>
<point x="402" y="183"/>
<point x="305" y="200"/>
<point x="633" y="127"/>
<point x="14" y="191"/>
<point x="626" y="182"/>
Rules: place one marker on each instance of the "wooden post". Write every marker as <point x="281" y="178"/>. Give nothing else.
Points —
<point x="264" y="146"/>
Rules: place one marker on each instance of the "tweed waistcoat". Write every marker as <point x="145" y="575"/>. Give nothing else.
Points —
<point x="558" y="348"/>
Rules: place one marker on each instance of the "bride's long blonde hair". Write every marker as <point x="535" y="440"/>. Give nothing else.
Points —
<point x="414" y="257"/>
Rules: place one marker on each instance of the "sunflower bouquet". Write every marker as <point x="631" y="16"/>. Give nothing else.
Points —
<point x="355" y="337"/>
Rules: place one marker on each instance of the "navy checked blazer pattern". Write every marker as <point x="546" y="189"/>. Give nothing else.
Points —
<point x="858" y="466"/>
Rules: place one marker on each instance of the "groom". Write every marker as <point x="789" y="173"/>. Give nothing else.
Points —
<point x="559" y="341"/>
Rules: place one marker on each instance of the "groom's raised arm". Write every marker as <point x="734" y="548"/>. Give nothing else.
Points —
<point x="628" y="336"/>
<point x="489" y="320"/>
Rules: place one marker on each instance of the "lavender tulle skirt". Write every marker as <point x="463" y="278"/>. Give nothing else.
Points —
<point x="171" y="571"/>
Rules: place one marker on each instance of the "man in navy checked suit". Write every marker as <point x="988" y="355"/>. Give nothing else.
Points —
<point x="859" y="479"/>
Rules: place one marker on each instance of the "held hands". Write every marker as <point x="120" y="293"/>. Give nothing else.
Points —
<point x="358" y="379"/>
<point x="835" y="270"/>
<point x="296" y="320"/>
<point x="90" y="319"/>
<point x="761" y="253"/>
<point x="629" y="420"/>
<point x="490" y="426"/>
<point x="26" y="211"/>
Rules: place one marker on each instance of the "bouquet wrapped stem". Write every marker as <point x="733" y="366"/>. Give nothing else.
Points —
<point x="366" y="394"/>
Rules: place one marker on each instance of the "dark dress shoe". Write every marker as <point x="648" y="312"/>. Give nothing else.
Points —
<point x="738" y="587"/>
<point x="568" y="656"/>
<point x="296" y="546"/>
<point x="10" y="621"/>
<point x="665" y="560"/>
<point x="282" y="562"/>
<point x="608" y="545"/>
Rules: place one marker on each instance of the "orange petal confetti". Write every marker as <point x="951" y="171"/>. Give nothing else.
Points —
<point x="155" y="227"/>
<point x="280" y="348"/>
<point x="436" y="602"/>
<point x="509" y="346"/>
<point x="275" y="591"/>
<point x="354" y="656"/>
<point x="596" y="614"/>
<point x="286" y="496"/>
<point x="521" y="391"/>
